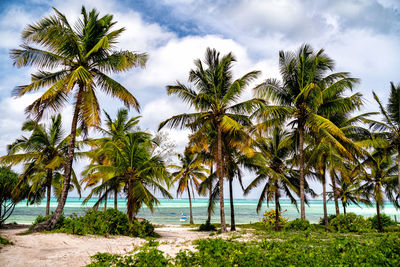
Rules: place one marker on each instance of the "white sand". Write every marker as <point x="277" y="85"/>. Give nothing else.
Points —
<point x="56" y="249"/>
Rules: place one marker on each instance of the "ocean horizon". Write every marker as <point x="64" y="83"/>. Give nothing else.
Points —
<point x="169" y="210"/>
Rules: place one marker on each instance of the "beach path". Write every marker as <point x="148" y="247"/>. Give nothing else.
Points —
<point x="57" y="249"/>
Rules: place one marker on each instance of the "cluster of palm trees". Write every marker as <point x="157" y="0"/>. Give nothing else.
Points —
<point x="298" y="128"/>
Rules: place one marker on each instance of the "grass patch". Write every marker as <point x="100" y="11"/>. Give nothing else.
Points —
<point x="291" y="248"/>
<point x="4" y="241"/>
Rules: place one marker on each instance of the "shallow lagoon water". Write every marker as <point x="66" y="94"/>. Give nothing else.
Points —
<point x="169" y="211"/>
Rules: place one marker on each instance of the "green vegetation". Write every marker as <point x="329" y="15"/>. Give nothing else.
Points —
<point x="269" y="219"/>
<point x="109" y="222"/>
<point x="73" y="65"/>
<point x="207" y="227"/>
<point x="298" y="224"/>
<point x="351" y="222"/>
<point x="4" y="241"/>
<point x="8" y="181"/>
<point x="305" y="249"/>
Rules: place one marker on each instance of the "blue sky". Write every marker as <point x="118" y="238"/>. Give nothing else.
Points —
<point x="362" y="36"/>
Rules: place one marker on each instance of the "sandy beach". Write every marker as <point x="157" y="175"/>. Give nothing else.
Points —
<point x="57" y="249"/>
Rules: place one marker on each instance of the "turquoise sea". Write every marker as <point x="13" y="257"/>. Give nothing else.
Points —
<point x="169" y="211"/>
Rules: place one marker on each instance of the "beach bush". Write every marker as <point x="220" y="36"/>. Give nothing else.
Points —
<point x="5" y="241"/>
<point x="268" y="219"/>
<point x="297" y="225"/>
<point x="41" y="218"/>
<point x="385" y="221"/>
<point x="109" y="222"/>
<point x="351" y="222"/>
<point x="207" y="227"/>
<point x="330" y="218"/>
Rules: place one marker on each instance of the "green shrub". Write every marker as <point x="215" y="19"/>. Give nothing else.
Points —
<point x="392" y="228"/>
<point x="351" y="222"/>
<point x="41" y="218"/>
<point x="147" y="256"/>
<point x="330" y="218"/>
<point x="332" y="250"/>
<point x="385" y="221"/>
<point x="109" y="222"/>
<point x="207" y="227"/>
<point x="5" y="241"/>
<point x="298" y="225"/>
<point x="268" y="219"/>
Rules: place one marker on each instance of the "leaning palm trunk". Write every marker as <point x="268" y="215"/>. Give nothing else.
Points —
<point x="48" y="185"/>
<point x="52" y="221"/>
<point x="190" y="205"/>
<point x="220" y="179"/>
<point x="233" y="225"/>
<point x="301" y="152"/>
<point x="344" y="208"/>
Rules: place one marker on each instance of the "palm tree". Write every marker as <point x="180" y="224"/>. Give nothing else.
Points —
<point x="379" y="176"/>
<point x="299" y="97"/>
<point x="79" y="59"/>
<point x="215" y="101"/>
<point x="136" y="168"/>
<point x="189" y="173"/>
<point x="114" y="131"/>
<point x="349" y="191"/>
<point x="44" y="154"/>
<point x="390" y="128"/>
<point x="273" y="169"/>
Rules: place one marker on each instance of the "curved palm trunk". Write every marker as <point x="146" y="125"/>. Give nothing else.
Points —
<point x="190" y="206"/>
<point x="116" y="199"/>
<point x="324" y="200"/>
<point x="220" y="179"/>
<point x="301" y="152"/>
<point x="52" y="221"/>
<point x="378" y="214"/>
<point x="48" y="185"/>
<point x="335" y="193"/>
<point x="277" y="209"/>
<point x="233" y="225"/>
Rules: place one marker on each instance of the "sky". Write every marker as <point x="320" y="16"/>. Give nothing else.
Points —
<point x="362" y="36"/>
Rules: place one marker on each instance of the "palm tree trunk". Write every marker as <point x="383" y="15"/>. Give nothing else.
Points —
<point x="335" y="193"/>
<point x="301" y="152"/>
<point x="48" y="185"/>
<point x="220" y="179"/>
<point x="378" y="214"/>
<point x="210" y="195"/>
<point x="277" y="226"/>
<point x="324" y="200"/>
<point x="344" y="207"/>
<point x="233" y="226"/>
<point x="105" y="201"/>
<point x="52" y="221"/>
<point x="116" y="199"/>
<point x="130" y="204"/>
<point x="398" y="168"/>
<point x="190" y="206"/>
